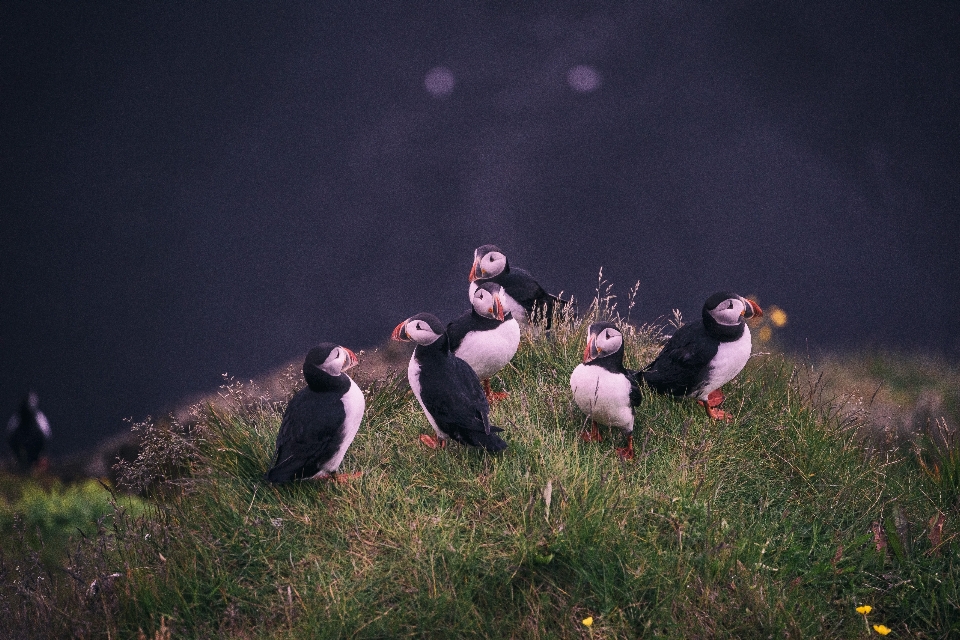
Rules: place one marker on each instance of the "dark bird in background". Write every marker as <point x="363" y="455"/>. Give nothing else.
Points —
<point x="523" y="296"/>
<point x="485" y="337"/>
<point x="321" y="420"/>
<point x="446" y="387"/>
<point x="27" y="433"/>
<point x="706" y="354"/>
<point x="602" y="388"/>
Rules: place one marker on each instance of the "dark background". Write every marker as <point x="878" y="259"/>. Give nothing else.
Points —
<point x="190" y="188"/>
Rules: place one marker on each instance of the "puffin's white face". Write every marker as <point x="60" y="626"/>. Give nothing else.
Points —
<point x="730" y="311"/>
<point x="487" y="304"/>
<point x="489" y="266"/>
<point x="608" y="341"/>
<point x="420" y="332"/>
<point x="339" y="360"/>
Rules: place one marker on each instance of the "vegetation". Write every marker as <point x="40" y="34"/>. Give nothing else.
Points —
<point x="778" y="524"/>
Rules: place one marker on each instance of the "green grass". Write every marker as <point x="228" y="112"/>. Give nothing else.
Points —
<point x="763" y="527"/>
<point x="48" y="514"/>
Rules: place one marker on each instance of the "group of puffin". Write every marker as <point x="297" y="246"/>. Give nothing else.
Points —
<point x="451" y="367"/>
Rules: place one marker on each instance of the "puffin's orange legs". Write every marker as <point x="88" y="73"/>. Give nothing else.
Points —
<point x="433" y="443"/>
<point x="626" y="452"/>
<point x="593" y="435"/>
<point x="714" y="400"/>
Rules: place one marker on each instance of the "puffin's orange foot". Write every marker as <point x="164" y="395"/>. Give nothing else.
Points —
<point x="715" y="398"/>
<point x="433" y="443"/>
<point x="716" y="414"/>
<point x="497" y="396"/>
<point x="626" y="453"/>
<point x="343" y="478"/>
<point x="593" y="435"/>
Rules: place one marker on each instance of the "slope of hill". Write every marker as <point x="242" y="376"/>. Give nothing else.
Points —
<point x="780" y="523"/>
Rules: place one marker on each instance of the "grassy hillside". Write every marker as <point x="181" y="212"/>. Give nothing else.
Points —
<point x="778" y="524"/>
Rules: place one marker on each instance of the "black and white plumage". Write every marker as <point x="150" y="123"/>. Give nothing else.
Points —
<point x="522" y="295"/>
<point x="321" y="420"/>
<point x="485" y="337"/>
<point x="447" y="388"/>
<point x="706" y="354"/>
<point x="28" y="431"/>
<point x="602" y="388"/>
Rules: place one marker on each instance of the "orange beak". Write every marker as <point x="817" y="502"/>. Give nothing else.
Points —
<point x="757" y="311"/>
<point x="590" y="352"/>
<point x="400" y="333"/>
<point x="497" y="308"/>
<point x="473" y="270"/>
<point x="352" y="359"/>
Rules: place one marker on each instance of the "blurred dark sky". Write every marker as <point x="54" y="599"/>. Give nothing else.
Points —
<point x="190" y="189"/>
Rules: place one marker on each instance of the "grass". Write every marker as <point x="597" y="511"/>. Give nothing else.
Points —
<point x="778" y="524"/>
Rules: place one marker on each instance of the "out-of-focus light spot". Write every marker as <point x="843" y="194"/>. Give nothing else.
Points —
<point x="583" y="78"/>
<point x="765" y="333"/>
<point x="778" y="316"/>
<point x="439" y="81"/>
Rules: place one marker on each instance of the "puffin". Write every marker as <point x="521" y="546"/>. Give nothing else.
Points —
<point x="485" y="337"/>
<point x="602" y="388"/>
<point x="321" y="420"/>
<point x="28" y="431"/>
<point x="706" y="354"/>
<point x="522" y="296"/>
<point x="447" y="388"/>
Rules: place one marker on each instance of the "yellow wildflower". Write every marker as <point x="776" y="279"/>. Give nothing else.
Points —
<point x="765" y="333"/>
<point x="882" y="630"/>
<point x="778" y="316"/>
<point x="588" y="621"/>
<point x="864" y="610"/>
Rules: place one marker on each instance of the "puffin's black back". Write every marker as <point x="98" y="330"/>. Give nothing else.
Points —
<point x="684" y="361"/>
<point x="528" y="293"/>
<point x="27" y="440"/>
<point x="312" y="427"/>
<point x="452" y="394"/>
<point x="310" y="434"/>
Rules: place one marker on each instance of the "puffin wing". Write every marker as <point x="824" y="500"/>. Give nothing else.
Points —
<point x="456" y="400"/>
<point x="635" y="378"/>
<point x="523" y="288"/>
<point x="682" y="362"/>
<point x="458" y="329"/>
<point x="310" y="434"/>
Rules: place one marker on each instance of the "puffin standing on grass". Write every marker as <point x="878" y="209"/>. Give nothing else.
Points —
<point x="320" y="421"/>
<point x="522" y="296"/>
<point x="27" y="433"/>
<point x="603" y="388"/>
<point x="486" y="337"/>
<point x="706" y="354"/>
<point x="446" y="387"/>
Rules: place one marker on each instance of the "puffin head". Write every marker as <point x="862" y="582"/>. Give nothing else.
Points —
<point x="603" y="339"/>
<point x="729" y="309"/>
<point x="327" y="359"/>
<point x="488" y="262"/>
<point x="423" y="328"/>
<point x="486" y="301"/>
